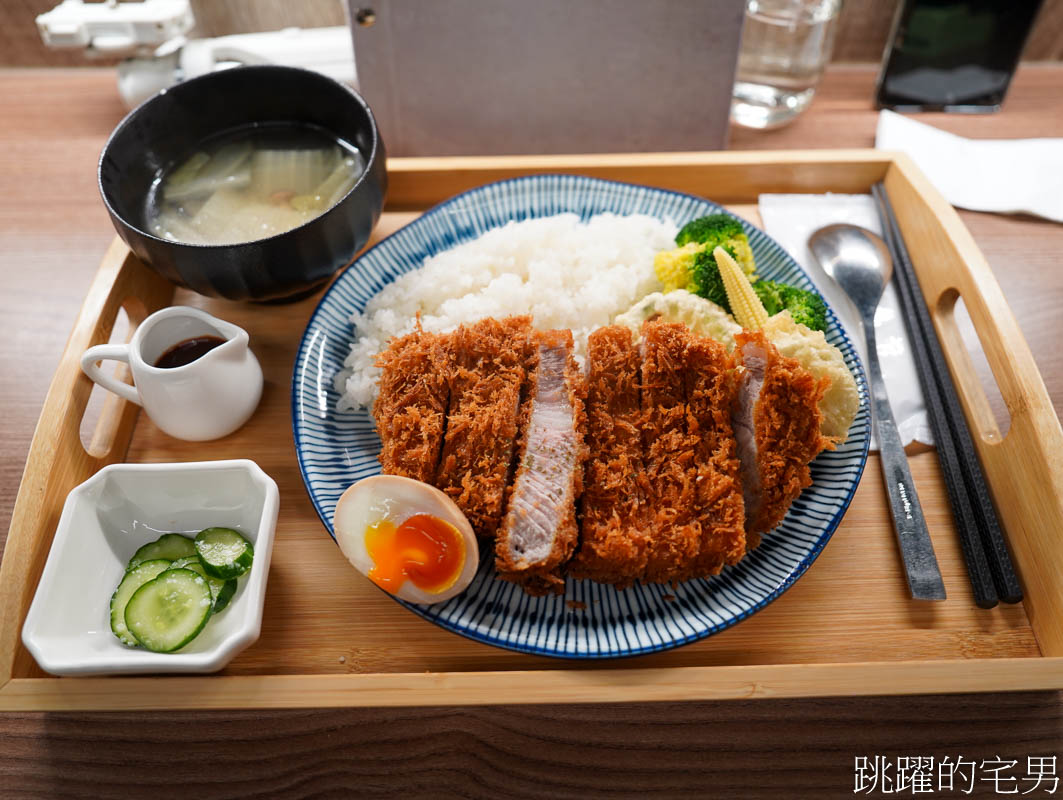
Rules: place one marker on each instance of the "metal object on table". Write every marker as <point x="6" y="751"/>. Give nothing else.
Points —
<point x="860" y="263"/>
<point x="552" y="76"/>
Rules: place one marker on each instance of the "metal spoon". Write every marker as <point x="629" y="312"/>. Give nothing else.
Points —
<point x="860" y="263"/>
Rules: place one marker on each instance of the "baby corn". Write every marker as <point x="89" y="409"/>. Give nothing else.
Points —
<point x="747" y="308"/>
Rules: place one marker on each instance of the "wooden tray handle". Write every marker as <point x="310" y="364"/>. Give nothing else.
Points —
<point x="57" y="460"/>
<point x="982" y="419"/>
<point x="1024" y="466"/>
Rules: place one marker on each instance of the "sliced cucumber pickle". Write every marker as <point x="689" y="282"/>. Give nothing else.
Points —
<point x="133" y="580"/>
<point x="224" y="595"/>
<point x="224" y="552"/>
<point x="221" y="590"/>
<point x="168" y="612"/>
<point x="170" y="546"/>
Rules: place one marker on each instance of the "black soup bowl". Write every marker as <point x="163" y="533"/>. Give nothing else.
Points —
<point x="167" y="128"/>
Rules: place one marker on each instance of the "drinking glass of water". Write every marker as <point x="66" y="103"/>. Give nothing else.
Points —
<point x="785" y="46"/>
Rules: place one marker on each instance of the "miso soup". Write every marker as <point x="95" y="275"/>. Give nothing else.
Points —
<point x="252" y="183"/>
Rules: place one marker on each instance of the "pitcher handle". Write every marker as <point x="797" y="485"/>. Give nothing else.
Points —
<point x="109" y="352"/>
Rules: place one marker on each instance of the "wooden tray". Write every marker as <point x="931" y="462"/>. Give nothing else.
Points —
<point x="329" y="638"/>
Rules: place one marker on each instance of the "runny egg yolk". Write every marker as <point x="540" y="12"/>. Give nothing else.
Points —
<point x="424" y="549"/>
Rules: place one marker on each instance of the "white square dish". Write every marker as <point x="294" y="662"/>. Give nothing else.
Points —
<point x="104" y="521"/>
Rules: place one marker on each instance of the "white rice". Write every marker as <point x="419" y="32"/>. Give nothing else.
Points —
<point x="564" y="272"/>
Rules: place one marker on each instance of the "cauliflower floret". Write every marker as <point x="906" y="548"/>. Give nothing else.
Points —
<point x="700" y="315"/>
<point x="841" y="401"/>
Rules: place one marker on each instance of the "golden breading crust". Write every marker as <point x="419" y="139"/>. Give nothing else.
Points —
<point x="548" y="480"/>
<point x="786" y="421"/>
<point x="613" y="548"/>
<point x="648" y="441"/>
<point x="710" y="391"/>
<point x="411" y="408"/>
<point x="668" y="455"/>
<point x="487" y="371"/>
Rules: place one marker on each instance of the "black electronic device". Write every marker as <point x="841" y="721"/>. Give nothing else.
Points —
<point x="953" y="55"/>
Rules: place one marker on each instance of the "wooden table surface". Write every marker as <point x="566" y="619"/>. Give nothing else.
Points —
<point x="53" y="232"/>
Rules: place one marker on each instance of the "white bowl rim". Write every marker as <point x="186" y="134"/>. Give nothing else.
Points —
<point x="142" y="661"/>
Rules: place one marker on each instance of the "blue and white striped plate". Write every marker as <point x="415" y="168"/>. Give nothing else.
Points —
<point x="336" y="448"/>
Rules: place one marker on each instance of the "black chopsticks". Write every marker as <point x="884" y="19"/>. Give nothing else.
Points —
<point x="981" y="539"/>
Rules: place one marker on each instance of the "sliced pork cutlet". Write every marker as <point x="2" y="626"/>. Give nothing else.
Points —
<point x="411" y="408"/>
<point x="776" y="422"/>
<point x="613" y="542"/>
<point x="711" y="384"/>
<point x="668" y="455"/>
<point x="486" y="373"/>
<point x="539" y="531"/>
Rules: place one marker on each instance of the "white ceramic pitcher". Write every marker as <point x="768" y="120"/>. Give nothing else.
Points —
<point x="207" y="398"/>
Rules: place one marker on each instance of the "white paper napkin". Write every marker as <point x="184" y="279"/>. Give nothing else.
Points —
<point x="790" y="219"/>
<point x="1002" y="175"/>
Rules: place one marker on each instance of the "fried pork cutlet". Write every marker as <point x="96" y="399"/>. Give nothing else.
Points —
<point x="668" y="455"/>
<point x="776" y="422"/>
<point x="411" y="408"/>
<point x="689" y="459"/>
<point x="711" y="385"/>
<point x="486" y="372"/>
<point x="539" y="531"/>
<point x="613" y="546"/>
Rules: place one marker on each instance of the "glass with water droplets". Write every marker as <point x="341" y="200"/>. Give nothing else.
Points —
<point x="785" y="46"/>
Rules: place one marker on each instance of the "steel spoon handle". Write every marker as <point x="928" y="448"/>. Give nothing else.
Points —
<point x="917" y="551"/>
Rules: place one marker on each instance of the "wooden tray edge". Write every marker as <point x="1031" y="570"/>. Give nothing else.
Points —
<point x="121" y="275"/>
<point x="534" y="687"/>
<point x="57" y="460"/>
<point x="734" y="176"/>
<point x="1024" y="467"/>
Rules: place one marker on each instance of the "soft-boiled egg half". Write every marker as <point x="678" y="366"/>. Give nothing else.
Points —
<point x="407" y="537"/>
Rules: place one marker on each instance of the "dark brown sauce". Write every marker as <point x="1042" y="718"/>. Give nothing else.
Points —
<point x="188" y="351"/>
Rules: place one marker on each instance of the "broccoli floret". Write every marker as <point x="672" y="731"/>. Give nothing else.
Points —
<point x="719" y="230"/>
<point x="743" y="254"/>
<point x="707" y="281"/>
<point x="770" y="294"/>
<point x="713" y="228"/>
<point x="805" y="307"/>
